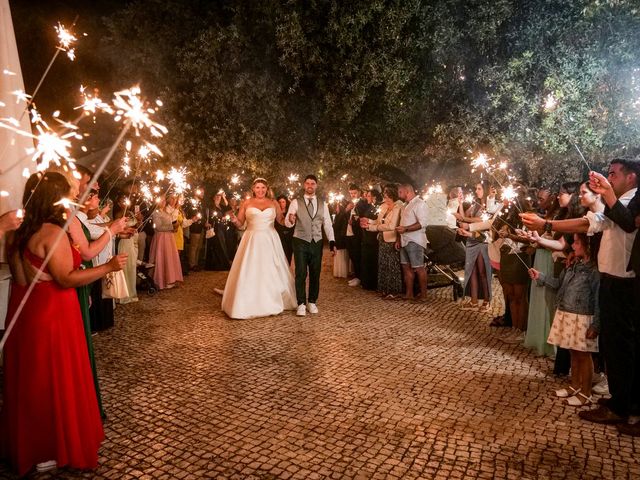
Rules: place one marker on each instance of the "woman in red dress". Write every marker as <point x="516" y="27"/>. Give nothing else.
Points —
<point x="50" y="412"/>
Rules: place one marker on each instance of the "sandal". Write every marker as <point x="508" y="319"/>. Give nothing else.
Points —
<point x="567" y="392"/>
<point x="576" y="400"/>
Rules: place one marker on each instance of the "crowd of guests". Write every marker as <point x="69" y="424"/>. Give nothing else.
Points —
<point x="567" y="262"/>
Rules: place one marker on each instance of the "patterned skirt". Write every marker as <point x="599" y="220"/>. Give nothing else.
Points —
<point x="389" y="270"/>
<point x="569" y="330"/>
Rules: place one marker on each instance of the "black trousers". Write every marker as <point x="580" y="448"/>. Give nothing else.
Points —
<point x="308" y="257"/>
<point x="620" y="341"/>
<point x="354" y="247"/>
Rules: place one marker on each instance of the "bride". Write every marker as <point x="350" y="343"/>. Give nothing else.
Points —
<point x="259" y="282"/>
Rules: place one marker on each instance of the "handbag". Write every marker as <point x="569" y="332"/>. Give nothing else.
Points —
<point x="114" y="285"/>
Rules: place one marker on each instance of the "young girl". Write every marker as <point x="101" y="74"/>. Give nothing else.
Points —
<point x="576" y="321"/>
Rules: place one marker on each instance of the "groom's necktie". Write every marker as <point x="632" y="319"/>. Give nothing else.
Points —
<point x="310" y="203"/>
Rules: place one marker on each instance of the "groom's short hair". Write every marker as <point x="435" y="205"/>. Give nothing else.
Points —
<point x="311" y="177"/>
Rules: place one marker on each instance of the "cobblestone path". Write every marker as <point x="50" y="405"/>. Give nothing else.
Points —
<point x="367" y="388"/>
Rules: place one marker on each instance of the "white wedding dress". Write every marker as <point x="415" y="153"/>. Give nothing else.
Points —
<point x="259" y="282"/>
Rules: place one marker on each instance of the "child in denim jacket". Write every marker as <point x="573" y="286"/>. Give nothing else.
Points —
<point x="576" y="322"/>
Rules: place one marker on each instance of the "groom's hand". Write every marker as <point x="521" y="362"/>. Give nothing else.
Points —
<point x="292" y="218"/>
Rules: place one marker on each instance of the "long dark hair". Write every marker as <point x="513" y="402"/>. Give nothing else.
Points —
<point x="45" y="190"/>
<point x="574" y="209"/>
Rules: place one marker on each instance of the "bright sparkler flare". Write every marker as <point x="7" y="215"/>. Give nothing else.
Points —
<point x="485" y="216"/>
<point x="503" y="166"/>
<point x="20" y="213"/>
<point x="437" y="188"/>
<point x="550" y="103"/>
<point x="481" y="161"/>
<point x="509" y="193"/>
<point x="159" y="175"/>
<point x="469" y="198"/>
<point x="235" y="179"/>
<point x="93" y="103"/>
<point x="178" y="178"/>
<point x="293" y="177"/>
<point x="130" y="107"/>
<point x="65" y="39"/>
<point x="4" y="193"/>
<point x="21" y="96"/>
<point x="67" y="203"/>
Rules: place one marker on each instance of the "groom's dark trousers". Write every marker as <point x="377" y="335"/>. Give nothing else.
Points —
<point x="307" y="256"/>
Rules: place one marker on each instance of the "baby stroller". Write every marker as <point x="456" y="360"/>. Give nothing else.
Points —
<point x="143" y="278"/>
<point x="443" y="256"/>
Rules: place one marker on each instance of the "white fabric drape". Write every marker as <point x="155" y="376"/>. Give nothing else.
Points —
<point x="13" y="157"/>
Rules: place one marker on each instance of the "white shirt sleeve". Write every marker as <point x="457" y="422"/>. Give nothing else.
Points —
<point x="421" y="214"/>
<point x="328" y="227"/>
<point x="598" y="222"/>
<point x="293" y="209"/>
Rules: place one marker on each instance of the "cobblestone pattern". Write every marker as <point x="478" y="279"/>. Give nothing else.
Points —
<point x="368" y="388"/>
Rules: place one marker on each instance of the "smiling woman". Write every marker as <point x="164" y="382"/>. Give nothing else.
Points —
<point x="259" y="283"/>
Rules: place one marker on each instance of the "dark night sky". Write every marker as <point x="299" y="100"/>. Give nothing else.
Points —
<point x="34" y="22"/>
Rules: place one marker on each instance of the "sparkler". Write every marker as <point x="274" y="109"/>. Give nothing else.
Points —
<point x="129" y="106"/>
<point x="66" y="38"/>
<point x="178" y="178"/>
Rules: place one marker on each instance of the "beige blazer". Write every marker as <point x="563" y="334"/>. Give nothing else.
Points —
<point x="387" y="222"/>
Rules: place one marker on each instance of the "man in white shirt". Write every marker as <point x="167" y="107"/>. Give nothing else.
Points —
<point x="413" y="240"/>
<point x="618" y="299"/>
<point x="310" y="216"/>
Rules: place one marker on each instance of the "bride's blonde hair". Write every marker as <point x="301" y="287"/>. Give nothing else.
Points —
<point x="265" y="183"/>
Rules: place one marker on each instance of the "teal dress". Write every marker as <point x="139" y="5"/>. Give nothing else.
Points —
<point x="542" y="306"/>
<point x="84" y="293"/>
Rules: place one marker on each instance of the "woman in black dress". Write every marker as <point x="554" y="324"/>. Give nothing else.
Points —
<point x="285" y="233"/>
<point x="217" y="254"/>
<point x="369" y="249"/>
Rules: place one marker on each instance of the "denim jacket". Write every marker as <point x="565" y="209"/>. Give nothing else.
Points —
<point x="577" y="289"/>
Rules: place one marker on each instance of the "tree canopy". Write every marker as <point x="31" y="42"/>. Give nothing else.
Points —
<point x="274" y="86"/>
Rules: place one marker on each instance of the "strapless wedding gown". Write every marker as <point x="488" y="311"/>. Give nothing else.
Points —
<point x="259" y="282"/>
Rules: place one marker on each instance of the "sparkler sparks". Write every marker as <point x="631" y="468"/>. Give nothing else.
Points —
<point x="178" y="178"/>
<point x="21" y="96"/>
<point x="129" y="106"/>
<point x="481" y="161"/>
<point x="65" y="39"/>
<point x="67" y="203"/>
<point x="293" y="177"/>
<point x="509" y="193"/>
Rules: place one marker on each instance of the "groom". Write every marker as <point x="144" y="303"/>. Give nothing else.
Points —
<point x="309" y="214"/>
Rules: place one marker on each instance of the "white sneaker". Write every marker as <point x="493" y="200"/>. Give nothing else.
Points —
<point x="302" y="310"/>
<point x="46" y="466"/>
<point x="313" y="308"/>
<point x="601" y="388"/>
<point x="354" y="282"/>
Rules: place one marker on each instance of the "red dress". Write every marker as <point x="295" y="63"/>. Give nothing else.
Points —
<point x="50" y="410"/>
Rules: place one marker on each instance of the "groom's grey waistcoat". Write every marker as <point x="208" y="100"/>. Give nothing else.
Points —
<point x="307" y="227"/>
